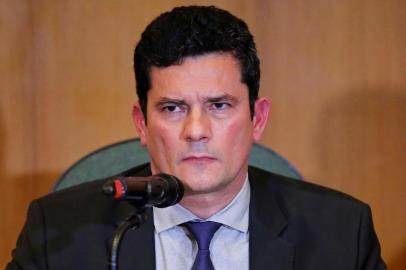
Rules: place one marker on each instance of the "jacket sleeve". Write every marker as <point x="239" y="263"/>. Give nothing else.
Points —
<point x="30" y="251"/>
<point x="369" y="250"/>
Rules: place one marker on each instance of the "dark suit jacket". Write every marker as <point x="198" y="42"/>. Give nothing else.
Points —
<point x="293" y="225"/>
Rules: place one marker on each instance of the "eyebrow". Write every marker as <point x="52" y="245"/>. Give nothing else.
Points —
<point x="164" y="100"/>
<point x="225" y="97"/>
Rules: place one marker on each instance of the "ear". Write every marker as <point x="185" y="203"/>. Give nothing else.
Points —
<point x="262" y="109"/>
<point x="139" y="122"/>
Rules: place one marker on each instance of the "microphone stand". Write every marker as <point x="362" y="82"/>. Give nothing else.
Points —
<point x="161" y="190"/>
<point x="133" y="221"/>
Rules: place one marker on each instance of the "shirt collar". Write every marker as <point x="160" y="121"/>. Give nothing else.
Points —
<point x="234" y="215"/>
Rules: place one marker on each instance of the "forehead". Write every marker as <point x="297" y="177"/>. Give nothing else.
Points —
<point x="209" y="74"/>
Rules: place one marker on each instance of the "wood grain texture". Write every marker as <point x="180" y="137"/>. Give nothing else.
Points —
<point x="334" y="70"/>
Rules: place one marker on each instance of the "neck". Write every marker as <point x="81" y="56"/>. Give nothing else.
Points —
<point x="205" y="205"/>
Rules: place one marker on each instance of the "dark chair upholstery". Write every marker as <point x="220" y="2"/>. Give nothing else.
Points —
<point x="115" y="158"/>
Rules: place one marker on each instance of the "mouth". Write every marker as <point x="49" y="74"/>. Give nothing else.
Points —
<point x="199" y="159"/>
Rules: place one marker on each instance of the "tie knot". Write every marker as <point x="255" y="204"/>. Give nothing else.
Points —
<point x="203" y="232"/>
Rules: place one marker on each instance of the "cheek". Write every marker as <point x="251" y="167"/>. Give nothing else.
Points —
<point x="237" y="135"/>
<point x="161" y="139"/>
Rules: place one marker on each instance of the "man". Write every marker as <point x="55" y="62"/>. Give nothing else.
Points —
<point x="198" y="114"/>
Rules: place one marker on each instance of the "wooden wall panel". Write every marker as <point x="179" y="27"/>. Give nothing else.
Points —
<point x="337" y="82"/>
<point x="16" y="155"/>
<point x="334" y="70"/>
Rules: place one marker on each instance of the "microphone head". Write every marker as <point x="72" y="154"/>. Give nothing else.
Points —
<point x="173" y="189"/>
<point x="160" y="190"/>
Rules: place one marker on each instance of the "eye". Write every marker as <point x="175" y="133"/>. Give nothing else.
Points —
<point x="220" y="105"/>
<point x="172" y="108"/>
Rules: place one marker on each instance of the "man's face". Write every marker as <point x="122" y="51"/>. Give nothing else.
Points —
<point x="198" y="123"/>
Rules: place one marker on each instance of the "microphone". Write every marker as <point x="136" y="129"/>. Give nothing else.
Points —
<point x="160" y="190"/>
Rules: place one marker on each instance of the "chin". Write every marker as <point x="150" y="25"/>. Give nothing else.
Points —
<point x="203" y="184"/>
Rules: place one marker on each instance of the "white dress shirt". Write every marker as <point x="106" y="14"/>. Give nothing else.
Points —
<point x="175" y="248"/>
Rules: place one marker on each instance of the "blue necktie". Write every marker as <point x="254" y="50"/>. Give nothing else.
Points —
<point x="203" y="233"/>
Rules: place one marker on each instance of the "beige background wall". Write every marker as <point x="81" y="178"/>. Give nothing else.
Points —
<point x="335" y="71"/>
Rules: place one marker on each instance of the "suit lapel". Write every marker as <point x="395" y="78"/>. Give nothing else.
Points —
<point x="267" y="221"/>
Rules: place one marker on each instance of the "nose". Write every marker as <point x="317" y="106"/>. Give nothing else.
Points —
<point x="197" y="126"/>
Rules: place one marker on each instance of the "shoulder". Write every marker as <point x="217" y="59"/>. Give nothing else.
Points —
<point x="302" y="196"/>
<point x="84" y="197"/>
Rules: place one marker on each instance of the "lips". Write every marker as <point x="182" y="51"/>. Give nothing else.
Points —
<point x="199" y="158"/>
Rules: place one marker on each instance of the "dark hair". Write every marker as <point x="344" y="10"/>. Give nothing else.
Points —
<point x="193" y="31"/>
